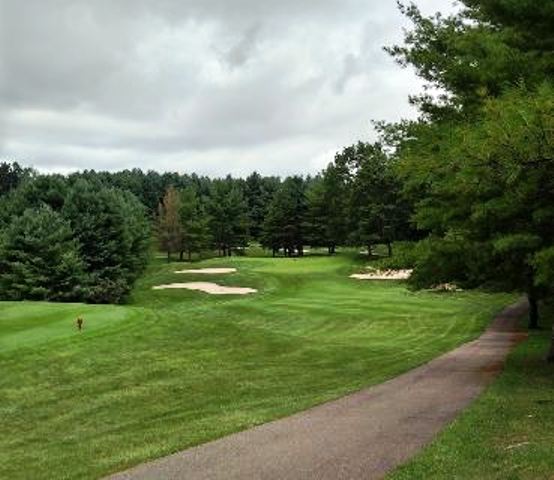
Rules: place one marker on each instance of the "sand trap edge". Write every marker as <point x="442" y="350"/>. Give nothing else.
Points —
<point x="209" y="271"/>
<point x="383" y="275"/>
<point x="207" y="287"/>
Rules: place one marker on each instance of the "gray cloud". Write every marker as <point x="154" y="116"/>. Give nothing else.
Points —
<point x="212" y="86"/>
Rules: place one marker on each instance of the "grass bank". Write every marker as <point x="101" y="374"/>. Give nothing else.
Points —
<point x="176" y="368"/>
<point x="508" y="433"/>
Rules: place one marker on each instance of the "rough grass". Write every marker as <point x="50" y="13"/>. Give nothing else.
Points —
<point x="178" y="368"/>
<point x="507" y="434"/>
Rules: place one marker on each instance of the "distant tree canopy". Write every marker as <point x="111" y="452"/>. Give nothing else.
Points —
<point x="11" y="175"/>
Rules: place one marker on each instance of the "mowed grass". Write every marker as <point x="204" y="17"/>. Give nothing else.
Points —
<point x="508" y="433"/>
<point x="177" y="368"/>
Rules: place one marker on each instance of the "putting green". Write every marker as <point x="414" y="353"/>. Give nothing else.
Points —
<point x="176" y="368"/>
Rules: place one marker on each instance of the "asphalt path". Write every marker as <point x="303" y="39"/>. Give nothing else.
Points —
<point x="361" y="436"/>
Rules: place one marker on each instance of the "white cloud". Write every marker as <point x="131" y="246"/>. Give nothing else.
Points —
<point x="212" y="86"/>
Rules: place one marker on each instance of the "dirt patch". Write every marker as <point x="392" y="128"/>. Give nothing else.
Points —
<point x="383" y="275"/>
<point x="208" y="287"/>
<point x="209" y="271"/>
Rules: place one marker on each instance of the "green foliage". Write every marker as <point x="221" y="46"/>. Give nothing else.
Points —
<point x="11" y="175"/>
<point x="376" y="211"/>
<point x="259" y="191"/>
<point x="111" y="230"/>
<point x="196" y="232"/>
<point x="327" y="208"/>
<point x="405" y="255"/>
<point x="285" y="225"/>
<point x="39" y="258"/>
<point x="169" y="223"/>
<point x="104" y="232"/>
<point x="477" y="53"/>
<point x="489" y="183"/>
<point x="228" y="221"/>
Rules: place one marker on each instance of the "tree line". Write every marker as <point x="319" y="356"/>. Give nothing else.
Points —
<point x="87" y="236"/>
<point x="67" y="239"/>
<point x="472" y="178"/>
<point x="478" y="163"/>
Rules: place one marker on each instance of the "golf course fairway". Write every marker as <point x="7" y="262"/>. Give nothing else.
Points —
<point x="176" y="368"/>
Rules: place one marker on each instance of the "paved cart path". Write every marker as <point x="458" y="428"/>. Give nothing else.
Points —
<point x="360" y="436"/>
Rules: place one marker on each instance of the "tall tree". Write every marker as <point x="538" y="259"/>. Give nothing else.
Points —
<point x="195" y="223"/>
<point x="490" y="185"/>
<point x="376" y="211"/>
<point x="39" y="259"/>
<point x="11" y="175"/>
<point x="111" y="230"/>
<point x="285" y="225"/>
<point x="471" y="162"/>
<point x="254" y="193"/>
<point x="229" y="223"/>
<point x="170" y="227"/>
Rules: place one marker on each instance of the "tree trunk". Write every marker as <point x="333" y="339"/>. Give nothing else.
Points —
<point x="550" y="357"/>
<point x="168" y="256"/>
<point x="389" y="247"/>
<point x="533" y="311"/>
<point x="181" y="253"/>
<point x="300" y="251"/>
<point x="369" y="250"/>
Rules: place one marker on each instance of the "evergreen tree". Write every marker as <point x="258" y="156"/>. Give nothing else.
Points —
<point x="229" y="223"/>
<point x="170" y="227"/>
<point x="286" y="222"/>
<point x="317" y="215"/>
<point x="477" y="161"/>
<point x="254" y="192"/>
<point x="11" y="175"/>
<point x="491" y="187"/>
<point x="111" y="230"/>
<point x="195" y="222"/>
<point x="39" y="259"/>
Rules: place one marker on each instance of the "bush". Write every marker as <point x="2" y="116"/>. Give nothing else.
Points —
<point x="404" y="256"/>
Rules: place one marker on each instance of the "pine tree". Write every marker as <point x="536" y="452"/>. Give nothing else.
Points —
<point x="229" y="224"/>
<point x="39" y="259"/>
<point x="286" y="222"/>
<point x="170" y="227"/>
<point x="111" y="230"/>
<point x="196" y="233"/>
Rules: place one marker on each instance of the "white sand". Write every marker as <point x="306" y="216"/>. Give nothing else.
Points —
<point x="209" y="271"/>
<point x="383" y="275"/>
<point x="208" y="287"/>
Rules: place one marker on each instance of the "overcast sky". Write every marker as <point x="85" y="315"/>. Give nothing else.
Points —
<point x="206" y="86"/>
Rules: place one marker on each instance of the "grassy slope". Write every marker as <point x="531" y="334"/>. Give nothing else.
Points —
<point x="177" y="368"/>
<point x="507" y="434"/>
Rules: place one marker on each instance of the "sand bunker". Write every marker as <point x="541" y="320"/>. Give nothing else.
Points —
<point x="209" y="271"/>
<point x="208" y="287"/>
<point x="383" y="275"/>
<point x="446" y="287"/>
